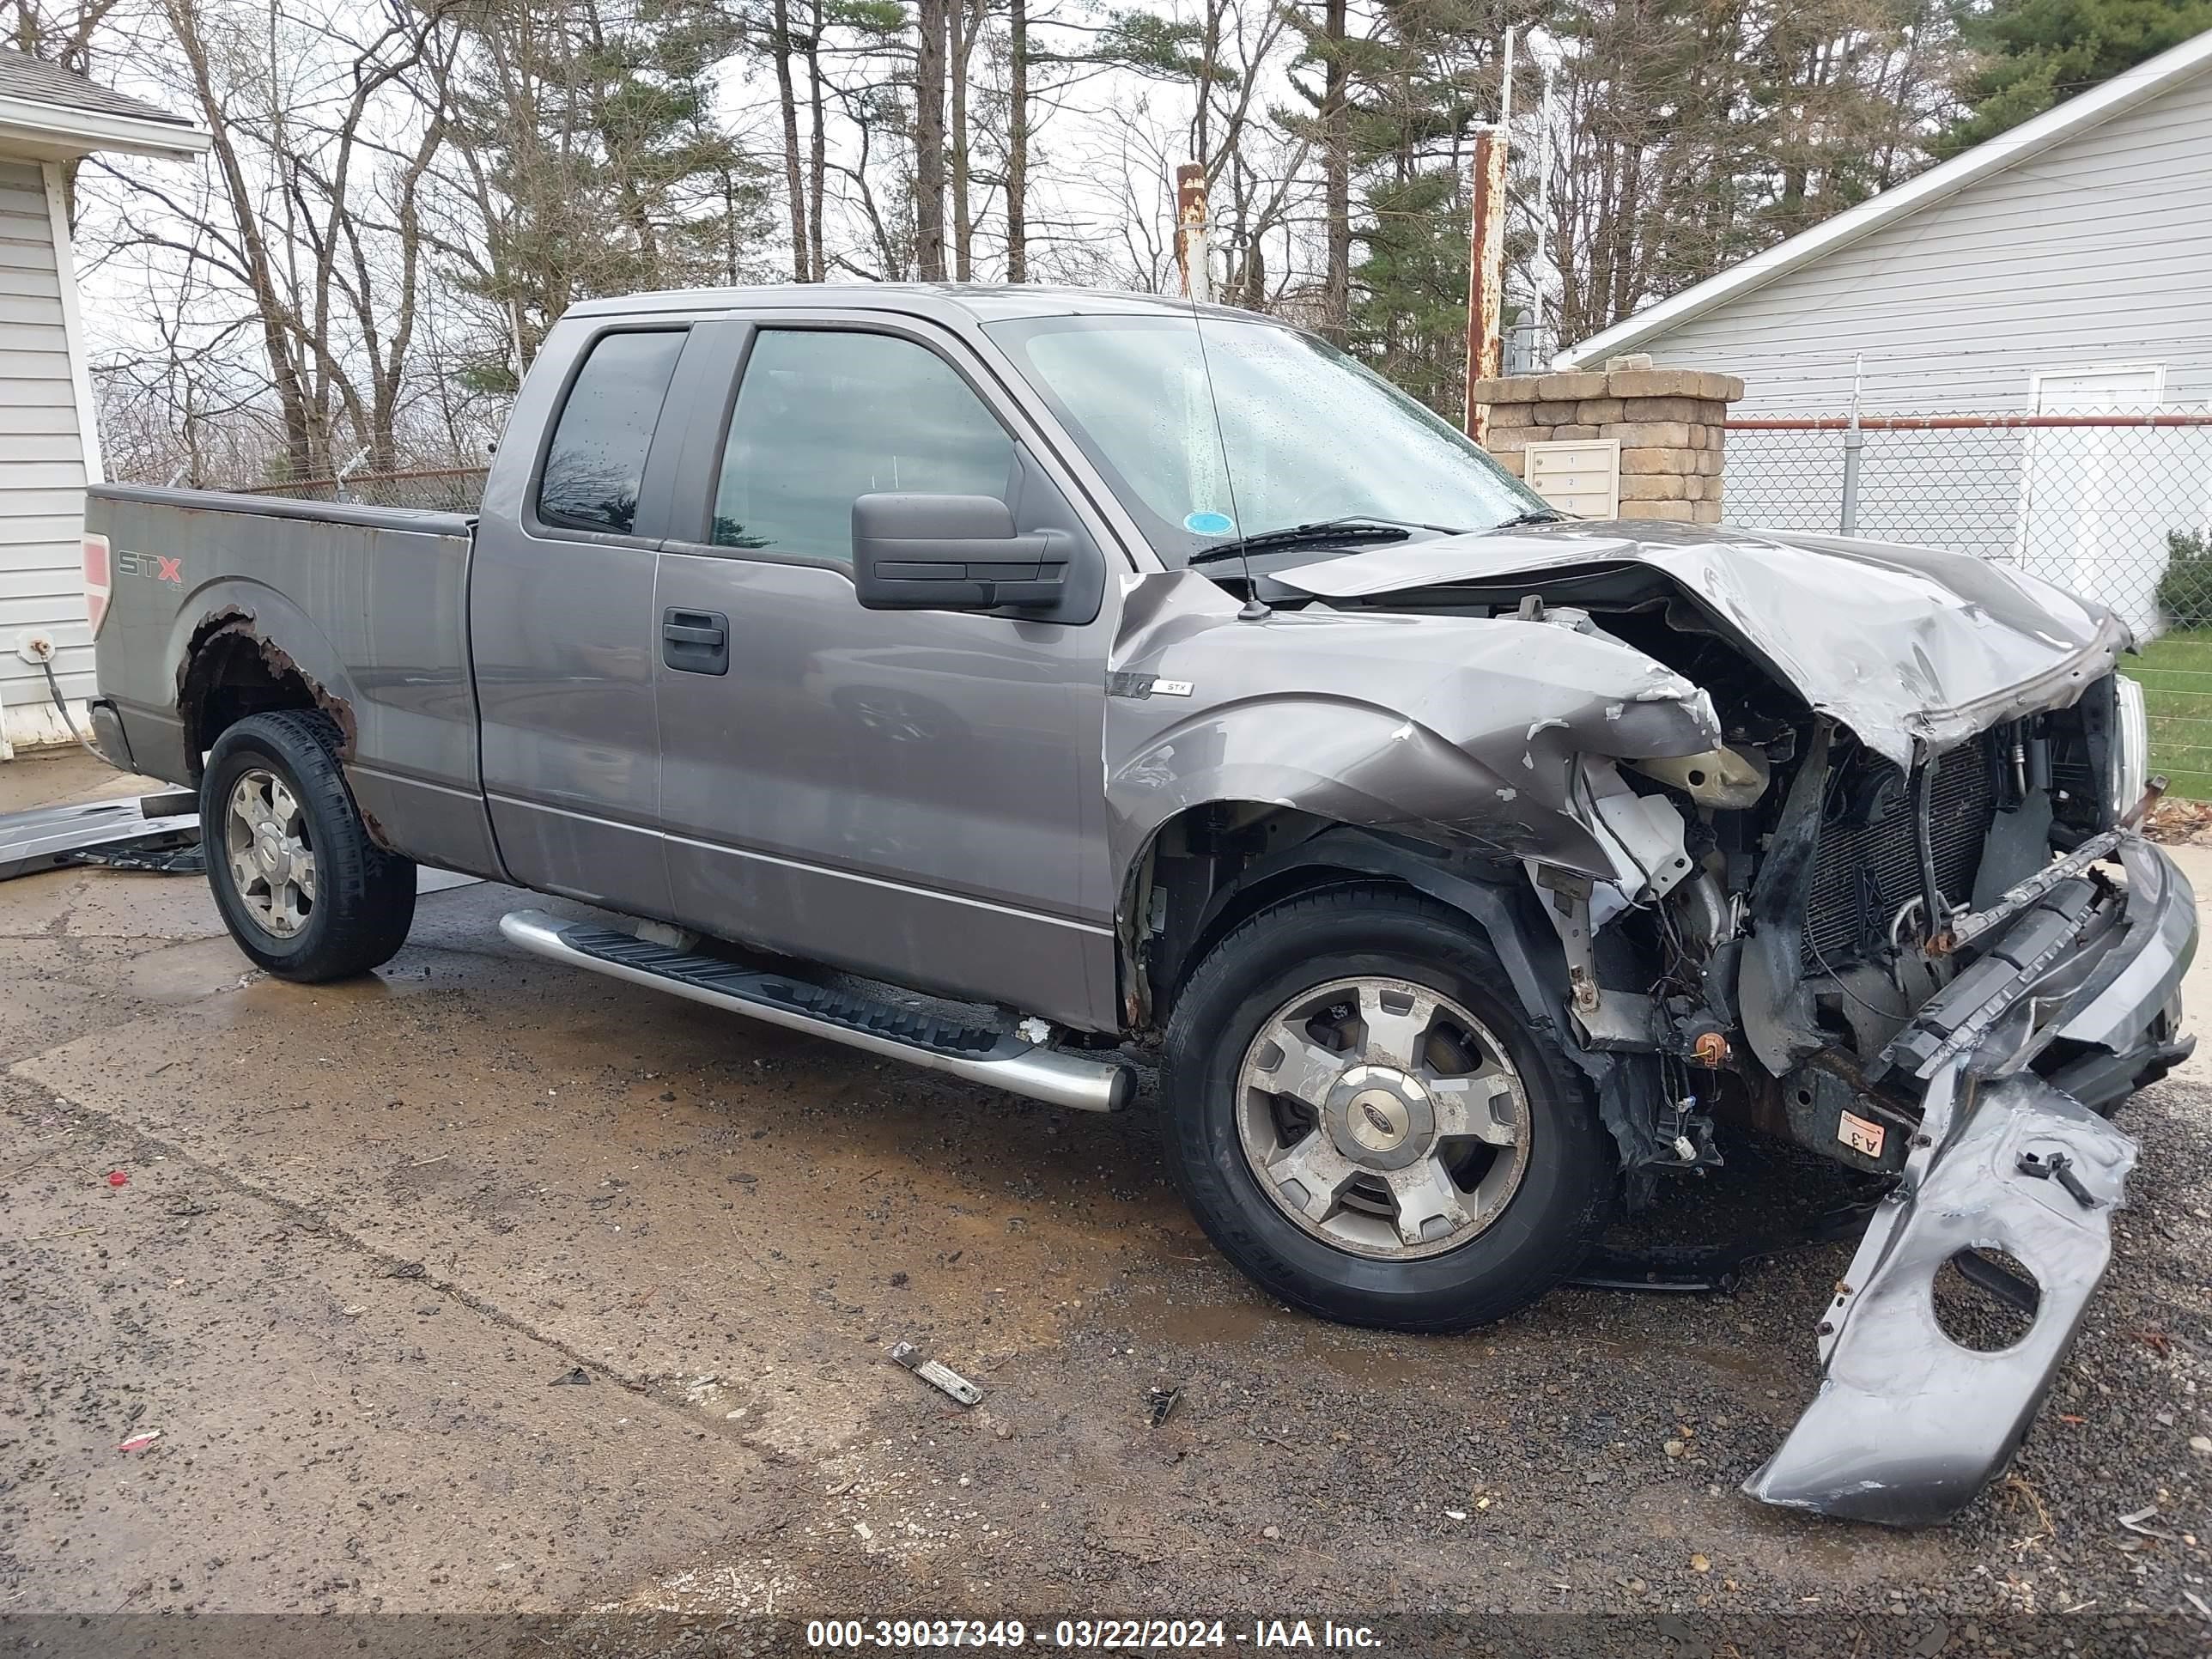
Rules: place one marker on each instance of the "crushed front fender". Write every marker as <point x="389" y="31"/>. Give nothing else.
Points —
<point x="1909" y="1425"/>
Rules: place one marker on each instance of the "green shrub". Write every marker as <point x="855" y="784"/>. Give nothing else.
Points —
<point x="2185" y="591"/>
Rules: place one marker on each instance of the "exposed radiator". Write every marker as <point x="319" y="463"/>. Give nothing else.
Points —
<point x="1863" y="874"/>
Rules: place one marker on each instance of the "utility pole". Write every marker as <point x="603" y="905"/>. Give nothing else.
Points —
<point x="1543" y="275"/>
<point x="1190" y="233"/>
<point x="1485" y="266"/>
<point x="1540" y="270"/>
<point x="1505" y="83"/>
<point x="1486" y="270"/>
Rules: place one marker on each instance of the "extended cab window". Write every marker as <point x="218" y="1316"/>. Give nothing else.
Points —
<point x="596" y="463"/>
<point x="824" y="415"/>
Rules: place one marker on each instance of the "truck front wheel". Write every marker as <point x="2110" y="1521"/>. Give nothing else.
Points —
<point x="1363" y="1121"/>
<point x="301" y="887"/>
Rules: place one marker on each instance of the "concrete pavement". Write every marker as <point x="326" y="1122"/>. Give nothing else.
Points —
<point x="365" y="1228"/>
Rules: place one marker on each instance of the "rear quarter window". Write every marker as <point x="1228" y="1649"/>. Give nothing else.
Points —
<point x="595" y="463"/>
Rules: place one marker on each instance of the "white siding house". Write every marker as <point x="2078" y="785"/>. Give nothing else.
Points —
<point x="2063" y="268"/>
<point x="49" y="438"/>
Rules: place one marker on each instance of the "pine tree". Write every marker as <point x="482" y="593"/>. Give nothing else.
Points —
<point x="2035" y="54"/>
<point x="1412" y="79"/>
<point x="594" y="160"/>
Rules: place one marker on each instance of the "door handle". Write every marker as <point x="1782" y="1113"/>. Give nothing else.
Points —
<point x="695" y="641"/>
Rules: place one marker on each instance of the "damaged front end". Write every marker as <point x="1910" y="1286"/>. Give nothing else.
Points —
<point x="1894" y="910"/>
<point x="2069" y="1002"/>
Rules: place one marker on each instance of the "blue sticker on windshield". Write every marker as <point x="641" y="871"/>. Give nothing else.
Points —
<point x="1209" y="524"/>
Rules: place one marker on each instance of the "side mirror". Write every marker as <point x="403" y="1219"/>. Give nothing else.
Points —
<point x="953" y="553"/>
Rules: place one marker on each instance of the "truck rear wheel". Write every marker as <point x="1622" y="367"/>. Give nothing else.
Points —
<point x="301" y="887"/>
<point x="1363" y="1121"/>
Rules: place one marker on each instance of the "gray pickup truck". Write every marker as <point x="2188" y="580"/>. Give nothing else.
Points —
<point x="1010" y="680"/>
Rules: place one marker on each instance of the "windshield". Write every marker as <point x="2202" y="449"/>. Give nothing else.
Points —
<point x="1309" y="434"/>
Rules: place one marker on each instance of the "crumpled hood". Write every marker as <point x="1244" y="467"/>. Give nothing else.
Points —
<point x="1900" y="644"/>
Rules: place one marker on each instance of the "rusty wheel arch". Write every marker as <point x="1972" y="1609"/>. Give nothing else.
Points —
<point x="228" y="656"/>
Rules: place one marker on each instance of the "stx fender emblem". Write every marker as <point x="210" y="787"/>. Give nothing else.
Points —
<point x="1146" y="685"/>
<point x="153" y="566"/>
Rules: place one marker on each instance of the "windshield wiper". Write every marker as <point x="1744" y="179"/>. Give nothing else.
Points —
<point x="1533" y="515"/>
<point x="1322" y="531"/>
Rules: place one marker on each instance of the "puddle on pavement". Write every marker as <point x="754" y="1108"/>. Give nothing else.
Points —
<point x="184" y="972"/>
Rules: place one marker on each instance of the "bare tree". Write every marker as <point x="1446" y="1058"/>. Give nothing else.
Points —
<point x="1018" y="141"/>
<point x="932" y="21"/>
<point x="404" y="195"/>
<point x="1336" y="163"/>
<point x="802" y="244"/>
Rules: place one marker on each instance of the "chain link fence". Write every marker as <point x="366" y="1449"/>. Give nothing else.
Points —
<point x="2114" y="504"/>
<point x="433" y="489"/>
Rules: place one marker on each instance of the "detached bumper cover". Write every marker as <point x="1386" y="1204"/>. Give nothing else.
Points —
<point x="49" y="837"/>
<point x="1908" y="1426"/>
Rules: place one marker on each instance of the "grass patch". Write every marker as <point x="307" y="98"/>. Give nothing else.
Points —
<point x="2176" y="672"/>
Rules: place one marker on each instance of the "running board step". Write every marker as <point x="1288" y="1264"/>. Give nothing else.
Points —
<point x="1002" y="1059"/>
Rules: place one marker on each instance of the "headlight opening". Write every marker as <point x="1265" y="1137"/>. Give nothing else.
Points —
<point x="2130" y="757"/>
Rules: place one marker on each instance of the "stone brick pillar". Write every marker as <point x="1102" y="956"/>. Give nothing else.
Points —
<point x="1669" y="422"/>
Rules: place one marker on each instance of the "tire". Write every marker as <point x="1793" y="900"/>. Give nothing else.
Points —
<point x="1528" y="1222"/>
<point x="344" y="908"/>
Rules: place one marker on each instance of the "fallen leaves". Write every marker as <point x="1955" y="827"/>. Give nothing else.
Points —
<point x="2180" y="823"/>
<point x="2016" y="1493"/>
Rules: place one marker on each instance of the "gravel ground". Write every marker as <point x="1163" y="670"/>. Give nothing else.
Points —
<point x="367" y="1232"/>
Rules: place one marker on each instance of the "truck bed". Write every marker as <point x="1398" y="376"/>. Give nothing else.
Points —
<point x="367" y="604"/>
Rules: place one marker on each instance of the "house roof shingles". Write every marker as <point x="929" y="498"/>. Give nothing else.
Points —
<point x="39" y="81"/>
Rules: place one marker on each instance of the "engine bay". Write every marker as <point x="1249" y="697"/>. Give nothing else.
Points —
<point x="1787" y="903"/>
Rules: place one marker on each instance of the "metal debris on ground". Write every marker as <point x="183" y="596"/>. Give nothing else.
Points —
<point x="2136" y="1523"/>
<point x="942" y="1378"/>
<point x="576" y="1378"/>
<point x="51" y="837"/>
<point x="189" y="859"/>
<point x="1163" y="1403"/>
